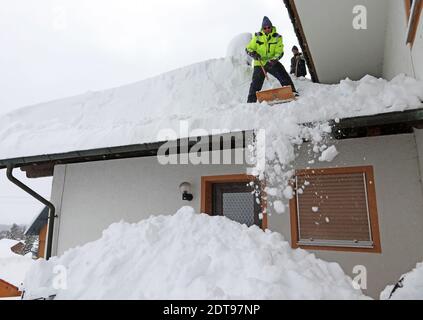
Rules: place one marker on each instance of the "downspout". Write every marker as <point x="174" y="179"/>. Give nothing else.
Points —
<point x="52" y="211"/>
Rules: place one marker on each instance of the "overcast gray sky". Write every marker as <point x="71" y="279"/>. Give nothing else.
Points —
<point x="51" y="49"/>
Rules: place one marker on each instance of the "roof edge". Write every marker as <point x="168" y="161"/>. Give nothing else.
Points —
<point x="299" y="31"/>
<point x="398" y="122"/>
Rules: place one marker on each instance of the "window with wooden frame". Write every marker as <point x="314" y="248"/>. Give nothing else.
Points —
<point x="335" y="209"/>
<point x="238" y="197"/>
<point x="413" y="9"/>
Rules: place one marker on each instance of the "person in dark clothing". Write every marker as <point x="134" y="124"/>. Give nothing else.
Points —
<point x="266" y="48"/>
<point x="298" y="63"/>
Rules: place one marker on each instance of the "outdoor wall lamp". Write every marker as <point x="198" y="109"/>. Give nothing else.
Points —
<point x="185" y="188"/>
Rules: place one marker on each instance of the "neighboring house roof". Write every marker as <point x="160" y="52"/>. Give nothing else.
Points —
<point x="8" y="290"/>
<point x="18" y="248"/>
<point x="38" y="223"/>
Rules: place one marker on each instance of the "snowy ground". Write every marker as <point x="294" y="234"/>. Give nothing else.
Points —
<point x="410" y="286"/>
<point x="188" y="256"/>
<point x="13" y="267"/>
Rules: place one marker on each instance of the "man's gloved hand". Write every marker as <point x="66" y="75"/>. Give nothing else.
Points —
<point x="254" y="55"/>
<point x="271" y="63"/>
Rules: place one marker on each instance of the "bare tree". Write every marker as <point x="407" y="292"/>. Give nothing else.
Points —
<point x="16" y="232"/>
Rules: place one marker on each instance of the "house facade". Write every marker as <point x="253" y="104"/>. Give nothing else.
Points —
<point x="363" y="210"/>
<point x="86" y="201"/>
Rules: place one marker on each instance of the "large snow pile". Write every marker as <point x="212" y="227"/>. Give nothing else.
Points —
<point x="188" y="256"/>
<point x="410" y="286"/>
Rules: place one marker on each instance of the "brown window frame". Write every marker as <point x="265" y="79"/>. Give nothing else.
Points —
<point x="207" y="192"/>
<point x="414" y="16"/>
<point x="372" y="205"/>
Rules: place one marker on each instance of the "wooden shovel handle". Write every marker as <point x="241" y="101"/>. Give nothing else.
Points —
<point x="264" y="70"/>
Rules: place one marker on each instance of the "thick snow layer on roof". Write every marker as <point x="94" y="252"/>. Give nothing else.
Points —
<point x="208" y="95"/>
<point x="189" y="256"/>
<point x="410" y="288"/>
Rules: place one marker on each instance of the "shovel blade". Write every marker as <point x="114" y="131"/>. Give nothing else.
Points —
<point x="273" y="96"/>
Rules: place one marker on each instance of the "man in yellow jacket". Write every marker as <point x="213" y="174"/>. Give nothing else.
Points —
<point x="266" y="48"/>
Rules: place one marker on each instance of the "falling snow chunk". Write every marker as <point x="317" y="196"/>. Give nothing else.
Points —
<point x="327" y="220"/>
<point x="271" y="191"/>
<point x="288" y="192"/>
<point x="315" y="209"/>
<point x="329" y="154"/>
<point x="279" y="206"/>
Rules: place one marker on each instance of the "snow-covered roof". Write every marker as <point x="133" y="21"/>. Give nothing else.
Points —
<point x="207" y="95"/>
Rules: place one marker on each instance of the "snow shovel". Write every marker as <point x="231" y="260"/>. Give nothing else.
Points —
<point x="275" y="96"/>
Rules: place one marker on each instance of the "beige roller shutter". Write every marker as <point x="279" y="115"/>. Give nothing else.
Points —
<point x="332" y="208"/>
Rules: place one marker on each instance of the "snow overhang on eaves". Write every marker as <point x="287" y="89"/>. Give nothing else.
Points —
<point x="378" y="125"/>
<point x="348" y="128"/>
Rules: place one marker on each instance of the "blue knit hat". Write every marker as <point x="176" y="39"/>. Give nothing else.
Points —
<point x="266" y="22"/>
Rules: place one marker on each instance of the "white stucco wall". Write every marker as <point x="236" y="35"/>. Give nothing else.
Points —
<point x="90" y="196"/>
<point x="400" y="58"/>
<point x="339" y="50"/>
<point x="97" y="194"/>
